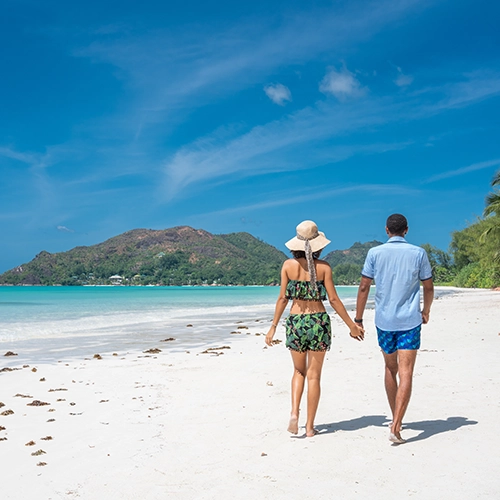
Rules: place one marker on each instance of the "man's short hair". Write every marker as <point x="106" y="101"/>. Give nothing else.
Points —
<point x="397" y="224"/>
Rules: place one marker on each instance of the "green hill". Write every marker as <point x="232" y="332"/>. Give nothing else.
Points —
<point x="347" y="264"/>
<point x="177" y="256"/>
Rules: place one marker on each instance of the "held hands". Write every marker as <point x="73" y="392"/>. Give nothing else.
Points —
<point x="357" y="332"/>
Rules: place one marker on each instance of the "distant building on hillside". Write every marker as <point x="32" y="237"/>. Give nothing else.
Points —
<point x="116" y="279"/>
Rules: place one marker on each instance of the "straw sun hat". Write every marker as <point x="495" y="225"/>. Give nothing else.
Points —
<point x="307" y="231"/>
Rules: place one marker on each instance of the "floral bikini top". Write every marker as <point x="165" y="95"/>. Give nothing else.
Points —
<point x="303" y="290"/>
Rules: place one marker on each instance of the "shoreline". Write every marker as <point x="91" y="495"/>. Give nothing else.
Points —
<point x="82" y="316"/>
<point x="129" y="330"/>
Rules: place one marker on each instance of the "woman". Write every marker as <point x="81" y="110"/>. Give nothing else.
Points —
<point x="308" y="281"/>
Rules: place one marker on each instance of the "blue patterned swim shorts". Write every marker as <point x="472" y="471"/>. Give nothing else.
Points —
<point x="390" y="342"/>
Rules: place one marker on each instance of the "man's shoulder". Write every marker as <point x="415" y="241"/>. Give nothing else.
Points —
<point x="391" y="245"/>
<point x="415" y="248"/>
<point x="379" y="248"/>
<point x="392" y="248"/>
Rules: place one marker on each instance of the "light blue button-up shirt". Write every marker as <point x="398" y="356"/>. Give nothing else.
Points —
<point x="397" y="268"/>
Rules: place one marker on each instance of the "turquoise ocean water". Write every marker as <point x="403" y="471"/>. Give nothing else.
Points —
<point x="49" y="322"/>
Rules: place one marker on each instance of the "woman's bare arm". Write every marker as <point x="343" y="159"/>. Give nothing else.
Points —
<point x="356" y="331"/>
<point x="281" y="304"/>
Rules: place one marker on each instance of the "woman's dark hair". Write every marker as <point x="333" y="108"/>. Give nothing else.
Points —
<point x="300" y="254"/>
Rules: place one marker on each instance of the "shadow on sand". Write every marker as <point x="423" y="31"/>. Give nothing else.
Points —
<point x="354" y="424"/>
<point x="429" y="428"/>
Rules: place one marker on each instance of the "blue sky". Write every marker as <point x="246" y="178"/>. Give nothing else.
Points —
<point x="250" y="116"/>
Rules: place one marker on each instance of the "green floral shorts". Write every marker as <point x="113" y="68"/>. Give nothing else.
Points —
<point x="309" y="332"/>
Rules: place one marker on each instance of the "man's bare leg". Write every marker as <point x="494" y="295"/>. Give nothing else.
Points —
<point x="314" y="367"/>
<point x="299" y="373"/>
<point x="391" y="379"/>
<point x="406" y="364"/>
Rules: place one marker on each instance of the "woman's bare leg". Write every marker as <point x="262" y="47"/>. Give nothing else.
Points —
<point x="299" y="372"/>
<point x="314" y="367"/>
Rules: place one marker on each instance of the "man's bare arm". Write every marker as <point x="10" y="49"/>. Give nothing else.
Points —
<point x="363" y="291"/>
<point x="428" y="298"/>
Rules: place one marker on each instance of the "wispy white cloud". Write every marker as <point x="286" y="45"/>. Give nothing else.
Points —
<point x="464" y="170"/>
<point x="279" y="145"/>
<point x="35" y="182"/>
<point x="16" y="215"/>
<point x="474" y="88"/>
<point x="37" y="163"/>
<point x="342" y="84"/>
<point x="274" y="147"/>
<point x="170" y="71"/>
<point x="166" y="74"/>
<point x="278" y="93"/>
<point x="403" y="80"/>
<point x="303" y="196"/>
<point x="470" y="89"/>
<point x="64" y="229"/>
<point x="32" y="159"/>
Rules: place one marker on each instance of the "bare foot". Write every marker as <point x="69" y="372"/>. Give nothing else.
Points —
<point x="395" y="437"/>
<point x="312" y="433"/>
<point x="293" y="425"/>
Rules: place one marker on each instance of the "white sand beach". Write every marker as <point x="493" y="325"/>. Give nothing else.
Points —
<point x="191" y="425"/>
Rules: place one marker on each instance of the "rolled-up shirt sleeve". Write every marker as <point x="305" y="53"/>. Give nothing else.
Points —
<point x="368" y="270"/>
<point x="425" y="268"/>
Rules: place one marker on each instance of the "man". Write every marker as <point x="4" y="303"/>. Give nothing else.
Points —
<point x="397" y="268"/>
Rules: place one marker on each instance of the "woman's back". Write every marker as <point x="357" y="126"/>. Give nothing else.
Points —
<point x="306" y="298"/>
<point x="296" y="269"/>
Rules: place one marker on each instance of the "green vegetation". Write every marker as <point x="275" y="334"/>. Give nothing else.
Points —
<point x="347" y="264"/>
<point x="476" y="249"/>
<point x="441" y="262"/>
<point x="177" y="256"/>
<point x="474" y="258"/>
<point x="474" y="255"/>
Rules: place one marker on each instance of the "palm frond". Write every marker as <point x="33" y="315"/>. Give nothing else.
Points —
<point x="496" y="179"/>
<point x="492" y="204"/>
<point x="492" y="232"/>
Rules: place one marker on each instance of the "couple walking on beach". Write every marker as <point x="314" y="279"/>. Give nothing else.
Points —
<point x="397" y="268"/>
